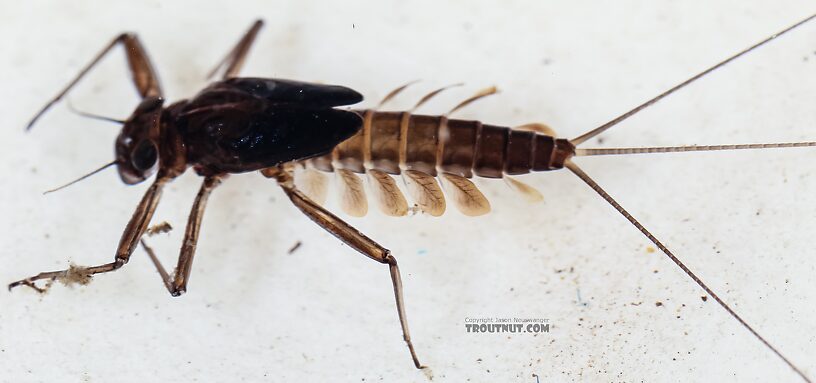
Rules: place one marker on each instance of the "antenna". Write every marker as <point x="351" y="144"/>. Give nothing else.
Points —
<point x="91" y="115"/>
<point x="81" y="178"/>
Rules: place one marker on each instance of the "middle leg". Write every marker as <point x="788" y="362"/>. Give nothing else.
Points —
<point x="177" y="284"/>
<point x="232" y="63"/>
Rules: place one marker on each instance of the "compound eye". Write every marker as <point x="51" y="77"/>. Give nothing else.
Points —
<point x="144" y="156"/>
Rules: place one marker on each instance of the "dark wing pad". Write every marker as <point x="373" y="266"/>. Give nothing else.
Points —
<point x="293" y="92"/>
<point x="250" y="136"/>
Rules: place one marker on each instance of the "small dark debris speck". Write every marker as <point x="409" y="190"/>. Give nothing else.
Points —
<point x="294" y="247"/>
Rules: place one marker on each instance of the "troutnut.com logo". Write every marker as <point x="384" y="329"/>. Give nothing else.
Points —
<point x="507" y="325"/>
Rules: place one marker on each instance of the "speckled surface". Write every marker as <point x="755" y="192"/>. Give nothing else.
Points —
<point x="324" y="313"/>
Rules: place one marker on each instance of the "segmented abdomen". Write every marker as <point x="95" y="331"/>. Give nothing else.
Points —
<point x="420" y="147"/>
<point x="391" y="141"/>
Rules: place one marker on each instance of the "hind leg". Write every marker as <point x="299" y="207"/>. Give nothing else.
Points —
<point x="352" y="237"/>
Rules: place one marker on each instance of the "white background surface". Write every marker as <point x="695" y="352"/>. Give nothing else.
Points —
<point x="743" y="220"/>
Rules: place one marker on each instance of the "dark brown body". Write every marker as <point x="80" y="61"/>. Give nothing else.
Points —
<point x="246" y="124"/>
<point x="395" y="141"/>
